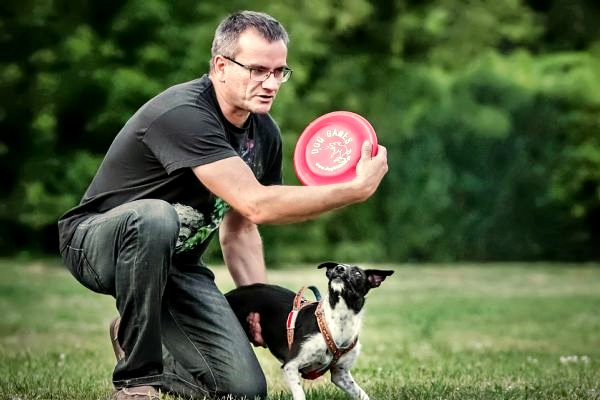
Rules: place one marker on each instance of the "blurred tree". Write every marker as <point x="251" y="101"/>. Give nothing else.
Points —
<point x="489" y="110"/>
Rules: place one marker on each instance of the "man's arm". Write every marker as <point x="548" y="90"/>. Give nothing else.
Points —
<point x="242" y="249"/>
<point x="233" y="181"/>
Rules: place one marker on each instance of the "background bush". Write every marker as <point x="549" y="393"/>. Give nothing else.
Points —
<point x="490" y="111"/>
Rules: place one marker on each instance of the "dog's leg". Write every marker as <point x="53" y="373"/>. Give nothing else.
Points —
<point x="292" y="378"/>
<point x="342" y="378"/>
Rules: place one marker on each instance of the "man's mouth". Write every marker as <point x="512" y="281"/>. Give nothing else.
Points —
<point x="264" y="97"/>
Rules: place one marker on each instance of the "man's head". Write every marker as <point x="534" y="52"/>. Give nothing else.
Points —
<point x="249" y="63"/>
<point x="227" y="35"/>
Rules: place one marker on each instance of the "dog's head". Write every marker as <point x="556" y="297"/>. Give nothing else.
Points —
<point x="352" y="283"/>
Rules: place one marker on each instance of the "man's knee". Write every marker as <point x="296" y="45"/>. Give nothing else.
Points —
<point x="157" y="220"/>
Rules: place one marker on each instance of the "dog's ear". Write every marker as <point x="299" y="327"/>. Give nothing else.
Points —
<point x="328" y="265"/>
<point x="376" y="276"/>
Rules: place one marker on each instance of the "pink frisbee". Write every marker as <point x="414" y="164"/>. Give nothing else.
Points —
<point x="329" y="148"/>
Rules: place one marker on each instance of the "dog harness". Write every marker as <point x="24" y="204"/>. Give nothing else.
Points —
<point x="299" y="303"/>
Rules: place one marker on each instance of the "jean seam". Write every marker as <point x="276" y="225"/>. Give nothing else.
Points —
<point x="135" y="266"/>
<point x="192" y="384"/>
<point x="138" y="381"/>
<point x="196" y="349"/>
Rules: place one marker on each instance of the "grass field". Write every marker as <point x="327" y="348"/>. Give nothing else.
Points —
<point x="514" y="331"/>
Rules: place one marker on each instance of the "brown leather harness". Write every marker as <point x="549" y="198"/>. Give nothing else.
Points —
<point x="300" y="302"/>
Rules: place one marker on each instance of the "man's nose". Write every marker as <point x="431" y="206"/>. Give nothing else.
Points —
<point x="271" y="83"/>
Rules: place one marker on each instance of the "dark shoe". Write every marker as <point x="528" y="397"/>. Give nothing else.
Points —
<point x="114" y="339"/>
<point x="136" y="393"/>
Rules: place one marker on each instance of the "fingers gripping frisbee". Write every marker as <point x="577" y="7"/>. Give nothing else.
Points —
<point x="329" y="148"/>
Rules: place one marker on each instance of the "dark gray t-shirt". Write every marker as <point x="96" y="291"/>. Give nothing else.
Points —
<point x="153" y="155"/>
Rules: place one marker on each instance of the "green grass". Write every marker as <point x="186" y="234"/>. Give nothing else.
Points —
<point x="514" y="331"/>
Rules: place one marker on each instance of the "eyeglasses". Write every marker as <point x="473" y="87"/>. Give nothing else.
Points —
<point x="258" y="74"/>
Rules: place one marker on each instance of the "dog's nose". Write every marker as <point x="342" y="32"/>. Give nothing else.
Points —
<point x="340" y="268"/>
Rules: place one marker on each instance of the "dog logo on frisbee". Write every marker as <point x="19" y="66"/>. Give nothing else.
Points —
<point x="330" y="150"/>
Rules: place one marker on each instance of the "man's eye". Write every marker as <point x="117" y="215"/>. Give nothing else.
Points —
<point x="261" y="71"/>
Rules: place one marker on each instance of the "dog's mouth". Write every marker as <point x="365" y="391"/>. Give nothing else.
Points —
<point x="337" y="283"/>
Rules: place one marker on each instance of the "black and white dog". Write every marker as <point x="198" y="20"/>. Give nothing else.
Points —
<point x="312" y="337"/>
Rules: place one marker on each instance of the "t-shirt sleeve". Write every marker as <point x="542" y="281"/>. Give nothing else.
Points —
<point x="187" y="136"/>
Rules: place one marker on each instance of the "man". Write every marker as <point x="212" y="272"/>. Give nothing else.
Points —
<point x="201" y="155"/>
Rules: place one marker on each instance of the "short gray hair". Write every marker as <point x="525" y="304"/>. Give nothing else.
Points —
<point x="229" y="30"/>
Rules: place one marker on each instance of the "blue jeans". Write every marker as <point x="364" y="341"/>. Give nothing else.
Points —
<point x="177" y="329"/>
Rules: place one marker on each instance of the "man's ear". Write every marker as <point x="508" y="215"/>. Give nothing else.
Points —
<point x="376" y="276"/>
<point x="218" y="64"/>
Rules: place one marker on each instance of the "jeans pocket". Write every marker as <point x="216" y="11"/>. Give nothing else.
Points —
<point x="77" y="263"/>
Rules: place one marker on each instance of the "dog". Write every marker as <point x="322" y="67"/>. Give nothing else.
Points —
<point x="310" y="338"/>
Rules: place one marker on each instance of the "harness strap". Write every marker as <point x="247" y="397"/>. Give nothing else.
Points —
<point x="335" y="351"/>
<point x="299" y="303"/>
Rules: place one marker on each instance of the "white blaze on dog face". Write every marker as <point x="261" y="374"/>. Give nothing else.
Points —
<point x="337" y="286"/>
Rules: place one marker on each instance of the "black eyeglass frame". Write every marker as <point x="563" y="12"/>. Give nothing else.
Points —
<point x="286" y="72"/>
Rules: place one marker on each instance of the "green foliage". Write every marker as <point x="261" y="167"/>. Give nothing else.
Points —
<point x="489" y="111"/>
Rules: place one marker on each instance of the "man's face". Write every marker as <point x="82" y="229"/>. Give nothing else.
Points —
<point x="243" y="94"/>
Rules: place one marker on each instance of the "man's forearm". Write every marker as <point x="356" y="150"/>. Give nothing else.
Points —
<point x="242" y="249"/>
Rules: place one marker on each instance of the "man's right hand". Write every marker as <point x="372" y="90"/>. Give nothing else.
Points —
<point x="370" y="169"/>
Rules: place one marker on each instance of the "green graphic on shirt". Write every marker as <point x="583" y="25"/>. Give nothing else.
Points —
<point x="194" y="230"/>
